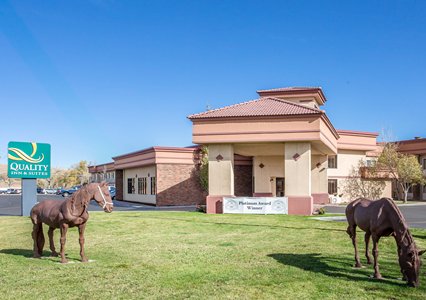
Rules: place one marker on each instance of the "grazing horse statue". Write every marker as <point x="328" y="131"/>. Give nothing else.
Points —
<point x="383" y="218"/>
<point x="66" y="214"/>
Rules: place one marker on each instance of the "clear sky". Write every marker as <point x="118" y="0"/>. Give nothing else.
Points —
<point x="101" y="78"/>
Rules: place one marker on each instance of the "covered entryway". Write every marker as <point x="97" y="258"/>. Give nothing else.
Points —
<point x="287" y="137"/>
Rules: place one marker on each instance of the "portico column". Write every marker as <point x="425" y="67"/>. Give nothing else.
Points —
<point x="221" y="175"/>
<point x="319" y="179"/>
<point x="298" y="177"/>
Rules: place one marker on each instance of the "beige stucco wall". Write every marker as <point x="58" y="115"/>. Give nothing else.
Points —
<point x="273" y="167"/>
<point x="141" y="172"/>
<point x="298" y="172"/>
<point x="346" y="159"/>
<point x="319" y="174"/>
<point x="356" y="141"/>
<point x="221" y="172"/>
<point x="256" y="130"/>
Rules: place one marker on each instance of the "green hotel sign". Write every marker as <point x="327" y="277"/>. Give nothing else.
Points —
<point x="28" y="160"/>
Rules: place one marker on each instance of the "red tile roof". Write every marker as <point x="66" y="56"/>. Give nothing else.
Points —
<point x="268" y="106"/>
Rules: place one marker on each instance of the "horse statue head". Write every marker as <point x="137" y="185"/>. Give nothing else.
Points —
<point x="100" y="193"/>
<point x="409" y="261"/>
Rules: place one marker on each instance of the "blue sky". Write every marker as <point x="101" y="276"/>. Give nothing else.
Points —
<point x="97" y="79"/>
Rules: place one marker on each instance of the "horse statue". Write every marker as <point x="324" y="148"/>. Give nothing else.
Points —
<point x="383" y="218"/>
<point x="66" y="214"/>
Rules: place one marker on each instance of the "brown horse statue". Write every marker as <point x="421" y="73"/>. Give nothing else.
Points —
<point x="66" y="214"/>
<point x="383" y="218"/>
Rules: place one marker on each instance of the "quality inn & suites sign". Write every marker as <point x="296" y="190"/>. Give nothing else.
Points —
<point x="28" y="160"/>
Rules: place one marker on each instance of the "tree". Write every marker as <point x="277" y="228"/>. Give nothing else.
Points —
<point x="204" y="168"/>
<point x="82" y="172"/>
<point x="359" y="184"/>
<point x="403" y="168"/>
<point x="7" y="180"/>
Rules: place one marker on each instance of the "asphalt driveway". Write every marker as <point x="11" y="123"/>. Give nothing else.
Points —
<point x="414" y="214"/>
<point x="10" y="205"/>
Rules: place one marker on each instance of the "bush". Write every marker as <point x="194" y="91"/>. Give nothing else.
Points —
<point x="201" y="208"/>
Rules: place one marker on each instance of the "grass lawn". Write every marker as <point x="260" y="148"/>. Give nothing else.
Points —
<point x="176" y="255"/>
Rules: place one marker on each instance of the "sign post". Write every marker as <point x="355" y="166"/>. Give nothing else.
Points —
<point x="28" y="161"/>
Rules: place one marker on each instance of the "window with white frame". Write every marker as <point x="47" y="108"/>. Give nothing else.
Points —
<point x="332" y="186"/>
<point x="370" y="162"/>
<point x="153" y="185"/>
<point x="142" y="185"/>
<point x="130" y="185"/>
<point x="332" y="161"/>
<point x="139" y="185"/>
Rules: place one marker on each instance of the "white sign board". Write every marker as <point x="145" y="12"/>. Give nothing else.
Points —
<point x="255" y="205"/>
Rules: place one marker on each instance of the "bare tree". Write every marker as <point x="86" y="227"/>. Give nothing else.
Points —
<point x="364" y="182"/>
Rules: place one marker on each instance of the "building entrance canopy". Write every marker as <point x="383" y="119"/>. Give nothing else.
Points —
<point x="286" y="135"/>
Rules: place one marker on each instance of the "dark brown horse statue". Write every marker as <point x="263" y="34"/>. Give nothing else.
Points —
<point x="383" y="218"/>
<point x="66" y="214"/>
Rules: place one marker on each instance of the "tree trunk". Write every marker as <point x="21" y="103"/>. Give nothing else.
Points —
<point x="405" y="195"/>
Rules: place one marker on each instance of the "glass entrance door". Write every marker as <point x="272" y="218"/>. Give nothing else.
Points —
<point x="279" y="184"/>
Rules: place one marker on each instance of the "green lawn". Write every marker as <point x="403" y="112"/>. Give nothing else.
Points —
<point x="175" y="255"/>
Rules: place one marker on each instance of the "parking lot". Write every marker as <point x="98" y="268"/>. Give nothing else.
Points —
<point x="10" y="205"/>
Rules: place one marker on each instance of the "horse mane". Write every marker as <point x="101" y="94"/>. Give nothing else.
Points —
<point x="404" y="231"/>
<point x="78" y="198"/>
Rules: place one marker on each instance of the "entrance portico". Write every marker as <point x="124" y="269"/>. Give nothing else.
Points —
<point x="287" y="137"/>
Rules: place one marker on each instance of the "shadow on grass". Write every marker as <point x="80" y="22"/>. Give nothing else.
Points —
<point x="18" y="252"/>
<point x="241" y="224"/>
<point x="417" y="236"/>
<point x="23" y="252"/>
<point x="315" y="262"/>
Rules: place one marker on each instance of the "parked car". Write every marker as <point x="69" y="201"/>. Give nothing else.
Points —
<point x="41" y="190"/>
<point x="67" y="192"/>
<point x="13" y="191"/>
<point x="112" y="192"/>
<point x="50" y="191"/>
<point x="3" y="190"/>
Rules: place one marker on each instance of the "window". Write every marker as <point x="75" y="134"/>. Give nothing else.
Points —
<point x="424" y="163"/>
<point x="142" y="186"/>
<point x="371" y="162"/>
<point x="153" y="185"/>
<point x="139" y="185"/>
<point x="332" y="161"/>
<point x="332" y="186"/>
<point x="130" y="185"/>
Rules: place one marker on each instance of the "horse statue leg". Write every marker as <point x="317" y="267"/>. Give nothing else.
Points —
<point x="35" y="234"/>
<point x="367" y="241"/>
<point x="81" y="229"/>
<point x="64" y="228"/>
<point x="40" y="240"/>
<point x="352" y="233"/>
<point x="51" y="243"/>
<point x="377" y="274"/>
